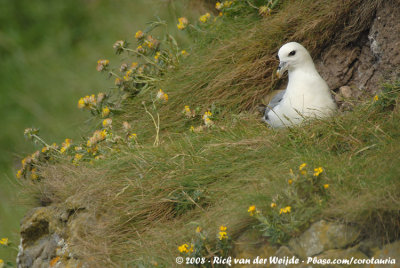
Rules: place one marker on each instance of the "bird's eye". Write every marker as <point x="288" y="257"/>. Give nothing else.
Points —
<point x="292" y="53"/>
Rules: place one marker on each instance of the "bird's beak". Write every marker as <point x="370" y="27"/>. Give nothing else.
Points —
<point x="281" y="69"/>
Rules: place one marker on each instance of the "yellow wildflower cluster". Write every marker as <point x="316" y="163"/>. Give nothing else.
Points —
<point x="4" y="241"/>
<point x="205" y="17"/>
<point x="302" y="170"/>
<point x="326" y="186"/>
<point x="161" y="95"/>
<point x="183" y="22"/>
<point x="273" y="205"/>
<point x="318" y="171"/>
<point x="65" y="145"/>
<point x="107" y="123"/>
<point x="187" y="112"/>
<point x="376" y="98"/>
<point x="151" y="42"/>
<point x="105" y="111"/>
<point x="157" y="56"/>
<point x="34" y="175"/>
<point x="222" y="233"/>
<point x="76" y="159"/>
<point x="102" y="65"/>
<point x="132" y="137"/>
<point x="207" y="120"/>
<point x="185" y="248"/>
<point x="285" y="210"/>
<point x="140" y="49"/>
<point x="98" y="136"/>
<point x="128" y="75"/>
<point x="253" y="210"/>
<point x="139" y="34"/>
<point x="87" y="102"/>
<point x="184" y="53"/>
<point x="220" y="6"/>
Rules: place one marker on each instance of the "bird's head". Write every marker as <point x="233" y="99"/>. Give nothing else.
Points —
<point x="291" y="56"/>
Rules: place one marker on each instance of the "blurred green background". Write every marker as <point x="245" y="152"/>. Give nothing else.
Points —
<point x="48" y="55"/>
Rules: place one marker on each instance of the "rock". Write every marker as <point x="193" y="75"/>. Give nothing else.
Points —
<point x="335" y="254"/>
<point x="323" y="236"/>
<point x="282" y="252"/>
<point x="250" y="245"/>
<point x="390" y="253"/>
<point x="346" y="92"/>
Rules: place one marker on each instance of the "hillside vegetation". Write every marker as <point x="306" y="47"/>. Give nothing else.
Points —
<point x="157" y="175"/>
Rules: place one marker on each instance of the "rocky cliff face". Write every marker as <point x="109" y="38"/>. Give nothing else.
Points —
<point x="48" y="234"/>
<point x="372" y="60"/>
<point x="322" y="241"/>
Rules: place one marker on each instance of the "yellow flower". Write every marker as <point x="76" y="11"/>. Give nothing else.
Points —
<point x="208" y="122"/>
<point x="220" y="14"/>
<point x="105" y="112"/>
<point x="4" y="241"/>
<point x="285" y="210"/>
<point x="34" y="176"/>
<point x="140" y="49"/>
<point x="162" y="96"/>
<point x="273" y="205"/>
<point x="252" y="210"/>
<point x="139" y="34"/>
<point x="318" y="171"/>
<point x="19" y="174"/>
<point x="184" y="53"/>
<point x="158" y="54"/>
<point x="45" y="149"/>
<point x="198" y="229"/>
<point x="81" y="103"/>
<point x="183" y="22"/>
<point x="228" y="3"/>
<point x="102" y="64"/>
<point x="222" y="235"/>
<point x="192" y="128"/>
<point x="133" y="136"/>
<point x="218" y="6"/>
<point x="326" y="186"/>
<point x="107" y="123"/>
<point x="207" y="115"/>
<point x="376" y="97"/>
<point x="118" y="82"/>
<point x="222" y="228"/>
<point x="302" y="166"/>
<point x="205" y="17"/>
<point x="183" y="248"/>
<point x="134" y="65"/>
<point x="1" y="263"/>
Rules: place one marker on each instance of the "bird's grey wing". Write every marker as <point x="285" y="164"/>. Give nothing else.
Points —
<point x="274" y="102"/>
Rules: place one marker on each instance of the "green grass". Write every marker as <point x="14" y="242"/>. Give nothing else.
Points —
<point x="151" y="199"/>
<point x="148" y="200"/>
<point x="47" y="67"/>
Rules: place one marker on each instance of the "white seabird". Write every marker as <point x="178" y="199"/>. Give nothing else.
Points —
<point x="307" y="94"/>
